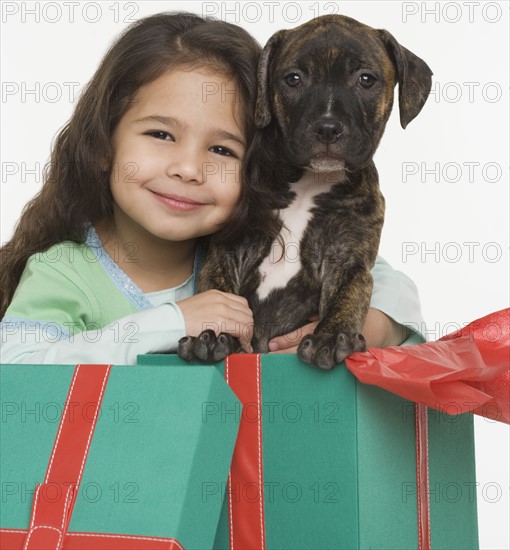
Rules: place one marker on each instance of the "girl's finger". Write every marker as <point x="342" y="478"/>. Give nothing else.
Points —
<point x="292" y="339"/>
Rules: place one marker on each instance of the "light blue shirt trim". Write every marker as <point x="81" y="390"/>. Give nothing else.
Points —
<point x="125" y="284"/>
<point x="128" y="287"/>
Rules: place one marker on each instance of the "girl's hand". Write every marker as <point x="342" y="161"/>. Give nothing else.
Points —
<point x="221" y="312"/>
<point x="288" y="343"/>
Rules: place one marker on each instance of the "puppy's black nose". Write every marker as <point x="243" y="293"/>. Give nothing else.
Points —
<point x="328" y="131"/>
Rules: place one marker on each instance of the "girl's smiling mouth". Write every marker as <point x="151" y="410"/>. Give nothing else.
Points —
<point x="176" y="202"/>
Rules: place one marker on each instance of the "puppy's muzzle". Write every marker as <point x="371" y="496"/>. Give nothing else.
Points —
<point x="328" y="131"/>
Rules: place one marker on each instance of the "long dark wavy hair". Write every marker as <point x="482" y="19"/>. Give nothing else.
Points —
<point x="76" y="187"/>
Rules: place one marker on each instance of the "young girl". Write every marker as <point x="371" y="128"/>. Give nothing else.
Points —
<point x="103" y="261"/>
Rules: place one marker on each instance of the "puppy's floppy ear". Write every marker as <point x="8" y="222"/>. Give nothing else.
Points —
<point x="263" y="108"/>
<point x="414" y="78"/>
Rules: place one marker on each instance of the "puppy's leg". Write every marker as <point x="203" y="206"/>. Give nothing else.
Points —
<point x="207" y="346"/>
<point x="230" y="271"/>
<point x="344" y="306"/>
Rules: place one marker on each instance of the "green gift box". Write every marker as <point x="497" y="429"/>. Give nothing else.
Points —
<point x="99" y="456"/>
<point x="323" y="461"/>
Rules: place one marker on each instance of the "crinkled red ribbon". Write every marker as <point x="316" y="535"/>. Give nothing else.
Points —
<point x="468" y="371"/>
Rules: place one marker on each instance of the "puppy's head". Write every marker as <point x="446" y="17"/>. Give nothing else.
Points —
<point x="328" y="86"/>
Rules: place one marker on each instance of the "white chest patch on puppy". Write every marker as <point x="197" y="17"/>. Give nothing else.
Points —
<point x="283" y="263"/>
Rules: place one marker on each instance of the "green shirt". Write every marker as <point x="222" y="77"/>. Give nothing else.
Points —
<point x="75" y="304"/>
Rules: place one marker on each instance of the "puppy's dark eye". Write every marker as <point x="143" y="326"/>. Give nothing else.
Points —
<point x="293" y="80"/>
<point x="366" y="80"/>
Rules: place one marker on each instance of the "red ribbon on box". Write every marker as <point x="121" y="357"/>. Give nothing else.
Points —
<point x="467" y="371"/>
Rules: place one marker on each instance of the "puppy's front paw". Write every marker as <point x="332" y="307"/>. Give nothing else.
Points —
<point x="208" y="347"/>
<point x="328" y="351"/>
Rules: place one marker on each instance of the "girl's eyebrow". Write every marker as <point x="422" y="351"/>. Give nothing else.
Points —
<point x="171" y="121"/>
<point x="223" y="134"/>
<point x="167" y="120"/>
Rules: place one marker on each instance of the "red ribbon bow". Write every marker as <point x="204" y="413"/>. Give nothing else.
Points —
<point x="467" y="371"/>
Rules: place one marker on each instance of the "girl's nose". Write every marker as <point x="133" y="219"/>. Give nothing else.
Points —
<point x="186" y="164"/>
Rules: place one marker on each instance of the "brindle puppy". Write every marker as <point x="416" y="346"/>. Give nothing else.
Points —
<point x="325" y="95"/>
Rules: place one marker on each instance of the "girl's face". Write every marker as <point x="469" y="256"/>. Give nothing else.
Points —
<point x="178" y="152"/>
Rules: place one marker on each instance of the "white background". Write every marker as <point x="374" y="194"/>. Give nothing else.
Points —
<point x="445" y="178"/>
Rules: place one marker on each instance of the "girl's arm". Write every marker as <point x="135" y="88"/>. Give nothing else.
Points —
<point x="397" y="308"/>
<point x="66" y="311"/>
<point x="42" y="342"/>
<point x="155" y="330"/>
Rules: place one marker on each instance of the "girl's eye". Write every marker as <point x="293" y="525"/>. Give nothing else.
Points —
<point x="219" y="150"/>
<point x="160" y="134"/>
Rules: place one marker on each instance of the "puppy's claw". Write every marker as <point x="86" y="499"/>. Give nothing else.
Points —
<point x="204" y="344"/>
<point x="326" y="352"/>
<point x="225" y="345"/>
<point x="185" y="348"/>
<point x="360" y="344"/>
<point x="207" y="347"/>
<point x="347" y="344"/>
<point x="324" y="357"/>
<point x="305" y="349"/>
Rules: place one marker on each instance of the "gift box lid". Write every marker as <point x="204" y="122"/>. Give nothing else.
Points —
<point x="150" y="458"/>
